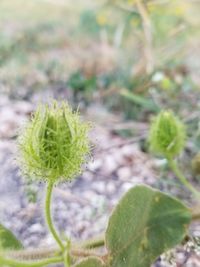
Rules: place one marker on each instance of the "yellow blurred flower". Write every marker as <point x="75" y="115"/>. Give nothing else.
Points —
<point x="131" y="2"/>
<point x="180" y="10"/>
<point x="152" y="8"/>
<point x="134" y="22"/>
<point x="102" y="19"/>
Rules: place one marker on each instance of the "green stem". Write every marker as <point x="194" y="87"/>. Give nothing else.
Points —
<point x="42" y="253"/>
<point x="81" y="253"/>
<point x="67" y="258"/>
<point x="196" y="216"/>
<point x="48" y="215"/>
<point x="14" y="263"/>
<point x="195" y="213"/>
<point x="173" y="165"/>
<point x="94" y="243"/>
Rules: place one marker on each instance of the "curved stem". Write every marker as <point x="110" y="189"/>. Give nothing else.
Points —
<point x="173" y="165"/>
<point x="67" y="258"/>
<point x="42" y="253"/>
<point x="48" y="215"/>
<point x="147" y="28"/>
<point x="14" y="263"/>
<point x="94" y="243"/>
<point x="81" y="253"/>
<point x="33" y="254"/>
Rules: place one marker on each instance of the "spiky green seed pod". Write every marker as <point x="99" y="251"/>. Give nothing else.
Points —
<point x="54" y="144"/>
<point x="167" y="135"/>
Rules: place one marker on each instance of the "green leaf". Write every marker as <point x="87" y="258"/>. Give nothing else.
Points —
<point x="90" y="262"/>
<point x="144" y="224"/>
<point x="139" y="100"/>
<point x="8" y="240"/>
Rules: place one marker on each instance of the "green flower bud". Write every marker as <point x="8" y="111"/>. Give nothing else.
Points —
<point x="167" y="134"/>
<point x="54" y="144"/>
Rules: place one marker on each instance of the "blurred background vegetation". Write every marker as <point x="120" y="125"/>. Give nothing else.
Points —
<point x="134" y="57"/>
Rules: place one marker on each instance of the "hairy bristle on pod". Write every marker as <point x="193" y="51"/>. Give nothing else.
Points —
<point x="167" y="134"/>
<point x="54" y="144"/>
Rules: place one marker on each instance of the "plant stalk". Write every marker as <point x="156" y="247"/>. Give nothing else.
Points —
<point x="84" y="253"/>
<point x="195" y="213"/>
<point x="42" y="253"/>
<point x="66" y="255"/>
<point x="174" y="167"/>
<point x="94" y="243"/>
<point x="15" y="263"/>
<point x="48" y="215"/>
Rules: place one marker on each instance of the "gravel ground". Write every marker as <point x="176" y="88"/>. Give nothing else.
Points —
<point x="80" y="208"/>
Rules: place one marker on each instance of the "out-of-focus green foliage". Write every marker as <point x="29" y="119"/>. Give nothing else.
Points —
<point x="8" y="241"/>
<point x="80" y="83"/>
<point x="143" y="47"/>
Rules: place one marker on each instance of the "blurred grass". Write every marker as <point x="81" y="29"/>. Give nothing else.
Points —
<point x="97" y="49"/>
<point x="39" y="10"/>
